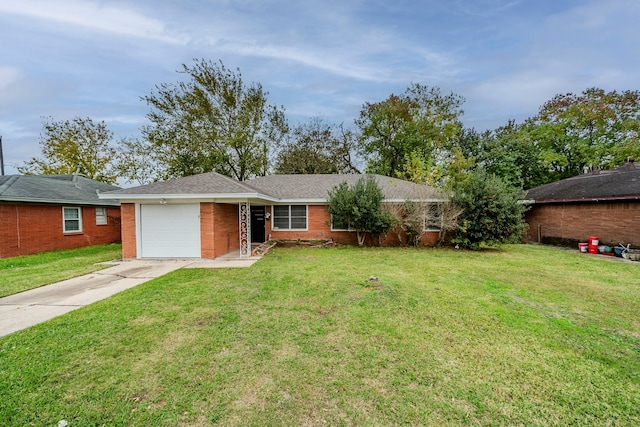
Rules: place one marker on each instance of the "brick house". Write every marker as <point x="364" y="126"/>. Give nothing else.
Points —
<point x="51" y="212"/>
<point x="209" y="215"/>
<point x="601" y="203"/>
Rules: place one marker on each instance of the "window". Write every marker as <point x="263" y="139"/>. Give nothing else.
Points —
<point x="72" y="220"/>
<point x="433" y="218"/>
<point x="339" y="226"/>
<point x="290" y="217"/>
<point x="101" y="216"/>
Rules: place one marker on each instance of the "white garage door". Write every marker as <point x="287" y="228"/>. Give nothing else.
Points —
<point x="170" y="231"/>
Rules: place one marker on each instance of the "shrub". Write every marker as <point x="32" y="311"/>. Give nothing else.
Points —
<point x="492" y="212"/>
<point x="359" y="208"/>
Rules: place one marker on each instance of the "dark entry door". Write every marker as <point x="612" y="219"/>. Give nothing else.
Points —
<point x="257" y="224"/>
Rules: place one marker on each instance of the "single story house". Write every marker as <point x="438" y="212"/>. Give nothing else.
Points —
<point x="209" y="215"/>
<point x="602" y="203"/>
<point x="50" y="212"/>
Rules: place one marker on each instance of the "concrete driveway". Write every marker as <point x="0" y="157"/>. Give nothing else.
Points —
<point x="31" y="307"/>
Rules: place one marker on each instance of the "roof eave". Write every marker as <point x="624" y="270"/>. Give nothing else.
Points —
<point x="102" y="202"/>
<point x="585" y="200"/>
<point x="189" y="196"/>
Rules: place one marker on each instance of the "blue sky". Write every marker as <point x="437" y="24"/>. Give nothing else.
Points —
<point x="88" y="58"/>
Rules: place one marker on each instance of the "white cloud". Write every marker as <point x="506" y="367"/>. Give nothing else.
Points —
<point x="8" y="76"/>
<point x="93" y="15"/>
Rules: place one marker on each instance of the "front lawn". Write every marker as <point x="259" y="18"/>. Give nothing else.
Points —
<point x="21" y="273"/>
<point x="522" y="336"/>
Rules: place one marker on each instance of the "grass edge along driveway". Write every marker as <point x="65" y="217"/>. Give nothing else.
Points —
<point x="18" y="274"/>
<point x="524" y="335"/>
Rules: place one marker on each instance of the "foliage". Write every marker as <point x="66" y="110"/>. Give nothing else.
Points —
<point x="136" y="161"/>
<point x="507" y="152"/>
<point x="518" y="336"/>
<point x="576" y="132"/>
<point x="360" y="206"/>
<point x="317" y="147"/>
<point x="427" y="210"/>
<point x="79" y="146"/>
<point x="491" y="213"/>
<point x="18" y="274"/>
<point x="212" y="122"/>
<point x="411" y="135"/>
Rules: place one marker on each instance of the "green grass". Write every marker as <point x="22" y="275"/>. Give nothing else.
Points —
<point x="522" y="336"/>
<point x="31" y="271"/>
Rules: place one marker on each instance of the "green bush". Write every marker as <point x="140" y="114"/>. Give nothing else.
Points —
<point x="492" y="212"/>
<point x="359" y="208"/>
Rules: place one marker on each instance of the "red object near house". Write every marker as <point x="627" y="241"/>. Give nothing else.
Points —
<point x="593" y="244"/>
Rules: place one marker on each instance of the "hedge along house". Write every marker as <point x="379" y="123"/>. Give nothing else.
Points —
<point x="601" y="203"/>
<point x="51" y="212"/>
<point x="209" y="215"/>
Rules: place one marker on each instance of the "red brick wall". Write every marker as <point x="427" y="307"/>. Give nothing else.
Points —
<point x="28" y="229"/>
<point x="128" y="211"/>
<point x="206" y="230"/>
<point x="226" y="229"/>
<point x="219" y="230"/>
<point x="613" y="223"/>
<point x="319" y="228"/>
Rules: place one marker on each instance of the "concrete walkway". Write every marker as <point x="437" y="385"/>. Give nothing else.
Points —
<point x="31" y="307"/>
<point x="37" y="305"/>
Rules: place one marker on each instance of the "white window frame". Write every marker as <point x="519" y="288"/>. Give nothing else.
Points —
<point x="64" y="220"/>
<point x="273" y="218"/>
<point x="101" y="216"/>
<point x="341" y="229"/>
<point x="426" y="223"/>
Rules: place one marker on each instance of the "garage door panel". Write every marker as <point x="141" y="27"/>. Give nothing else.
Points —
<point x="170" y="231"/>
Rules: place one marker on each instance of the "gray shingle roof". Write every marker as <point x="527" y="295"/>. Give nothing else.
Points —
<point x="56" y="189"/>
<point x="291" y="187"/>
<point x="274" y="187"/>
<point x="205" y="183"/>
<point x="622" y="183"/>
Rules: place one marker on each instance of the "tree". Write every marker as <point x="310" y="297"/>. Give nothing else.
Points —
<point x="212" y="122"/>
<point x="360" y="208"/>
<point x="135" y="161"/>
<point x="508" y="153"/>
<point x="575" y="132"/>
<point x="420" y="126"/>
<point x="74" y="146"/>
<point x="317" y="147"/>
<point x="492" y="212"/>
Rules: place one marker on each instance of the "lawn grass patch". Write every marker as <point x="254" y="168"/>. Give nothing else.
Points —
<point x="21" y="273"/>
<point x="524" y="335"/>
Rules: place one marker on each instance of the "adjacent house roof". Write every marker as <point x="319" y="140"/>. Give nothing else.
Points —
<point x="55" y="189"/>
<point x="619" y="184"/>
<point x="275" y="188"/>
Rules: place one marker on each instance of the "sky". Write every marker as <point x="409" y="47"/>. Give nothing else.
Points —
<point x="97" y="58"/>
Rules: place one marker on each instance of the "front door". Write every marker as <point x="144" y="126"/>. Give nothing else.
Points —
<point x="257" y="224"/>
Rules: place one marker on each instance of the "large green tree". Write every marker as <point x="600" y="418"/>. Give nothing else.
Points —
<point x="595" y="128"/>
<point x="317" y="147"/>
<point x="419" y="128"/>
<point x="212" y="121"/>
<point x="507" y="152"/>
<point x="79" y="145"/>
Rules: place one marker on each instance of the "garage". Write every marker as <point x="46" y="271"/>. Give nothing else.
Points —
<point x="170" y="231"/>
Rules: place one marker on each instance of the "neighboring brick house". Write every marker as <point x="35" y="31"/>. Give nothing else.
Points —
<point x="209" y="215"/>
<point x="603" y="203"/>
<point x="50" y="212"/>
